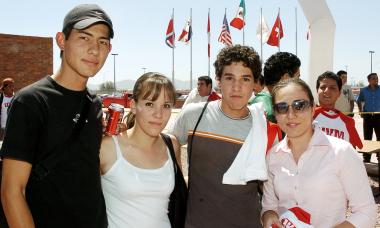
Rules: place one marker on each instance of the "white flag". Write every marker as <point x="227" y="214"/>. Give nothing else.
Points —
<point x="262" y="28"/>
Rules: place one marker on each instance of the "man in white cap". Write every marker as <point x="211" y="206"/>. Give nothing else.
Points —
<point x="51" y="146"/>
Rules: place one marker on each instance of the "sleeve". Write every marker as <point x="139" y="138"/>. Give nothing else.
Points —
<point x="360" y="97"/>
<point x="21" y="138"/>
<point x="354" y="179"/>
<point x="350" y="94"/>
<point x="179" y="127"/>
<point x="354" y="136"/>
<point x="270" y="200"/>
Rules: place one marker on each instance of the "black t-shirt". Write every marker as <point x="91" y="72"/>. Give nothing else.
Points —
<point x="40" y="121"/>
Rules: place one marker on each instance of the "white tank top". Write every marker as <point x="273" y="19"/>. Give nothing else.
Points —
<point x="137" y="197"/>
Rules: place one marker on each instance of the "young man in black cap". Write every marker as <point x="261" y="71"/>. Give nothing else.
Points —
<point x="51" y="148"/>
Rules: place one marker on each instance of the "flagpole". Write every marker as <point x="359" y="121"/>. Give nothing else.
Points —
<point x="261" y="33"/>
<point x="279" y="32"/>
<point x="244" y="30"/>
<point x="208" y="44"/>
<point x="296" y="31"/>
<point x="225" y="14"/>
<point x="244" y="12"/>
<point x="191" y="52"/>
<point x="243" y="34"/>
<point x="173" y="52"/>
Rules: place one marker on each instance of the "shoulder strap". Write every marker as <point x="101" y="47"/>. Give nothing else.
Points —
<point x="43" y="168"/>
<point x="190" y="144"/>
<point x="169" y="144"/>
<point x="195" y="128"/>
<point x="117" y="147"/>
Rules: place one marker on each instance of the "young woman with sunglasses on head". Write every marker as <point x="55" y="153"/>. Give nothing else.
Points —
<point x="321" y="174"/>
<point x="137" y="170"/>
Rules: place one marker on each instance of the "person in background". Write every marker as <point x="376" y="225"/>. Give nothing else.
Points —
<point x="262" y="95"/>
<point x="259" y="85"/>
<point x="346" y="100"/>
<point x="217" y="141"/>
<point x="369" y="105"/>
<point x="333" y="122"/>
<point x="202" y="93"/>
<point x="7" y="92"/>
<point x="278" y="67"/>
<point x="308" y="169"/>
<point x="137" y="171"/>
<point x="51" y="146"/>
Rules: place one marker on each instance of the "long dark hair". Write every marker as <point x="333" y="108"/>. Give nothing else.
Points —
<point x="149" y="85"/>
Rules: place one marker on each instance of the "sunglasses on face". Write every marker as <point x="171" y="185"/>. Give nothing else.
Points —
<point x="297" y="105"/>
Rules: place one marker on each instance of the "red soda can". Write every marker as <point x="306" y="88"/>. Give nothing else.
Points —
<point x="114" y="117"/>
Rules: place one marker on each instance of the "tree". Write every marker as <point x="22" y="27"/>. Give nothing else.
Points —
<point x="360" y="84"/>
<point x="106" y="87"/>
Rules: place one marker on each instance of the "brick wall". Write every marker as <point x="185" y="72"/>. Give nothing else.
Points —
<point x="26" y="59"/>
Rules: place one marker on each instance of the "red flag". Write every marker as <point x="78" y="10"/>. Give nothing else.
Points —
<point x="208" y="36"/>
<point x="225" y="35"/>
<point x="276" y="34"/>
<point x="238" y="21"/>
<point x="186" y="32"/>
<point x="170" y="35"/>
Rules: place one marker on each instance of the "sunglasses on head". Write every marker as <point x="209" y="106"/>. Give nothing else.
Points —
<point x="297" y="105"/>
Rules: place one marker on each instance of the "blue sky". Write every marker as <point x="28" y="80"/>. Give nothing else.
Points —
<point x="140" y="28"/>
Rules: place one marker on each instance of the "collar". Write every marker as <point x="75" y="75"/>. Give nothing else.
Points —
<point x="329" y="112"/>
<point x="241" y="118"/>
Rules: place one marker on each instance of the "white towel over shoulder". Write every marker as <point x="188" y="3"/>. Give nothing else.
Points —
<point x="249" y="163"/>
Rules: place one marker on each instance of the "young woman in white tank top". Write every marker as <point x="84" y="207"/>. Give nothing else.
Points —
<point x="137" y="171"/>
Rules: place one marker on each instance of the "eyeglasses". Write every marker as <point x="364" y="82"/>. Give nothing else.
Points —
<point x="297" y="105"/>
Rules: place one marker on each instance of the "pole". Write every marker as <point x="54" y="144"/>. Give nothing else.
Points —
<point x="261" y="34"/>
<point x="371" y="52"/>
<point x="296" y="31"/>
<point x="144" y="68"/>
<point x="191" y="52"/>
<point x="244" y="12"/>
<point x="243" y="35"/>
<point x="279" y="31"/>
<point x="114" y="71"/>
<point x="208" y="44"/>
<point x="173" y="51"/>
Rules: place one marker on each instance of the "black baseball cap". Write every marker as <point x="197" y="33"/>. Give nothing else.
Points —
<point x="84" y="15"/>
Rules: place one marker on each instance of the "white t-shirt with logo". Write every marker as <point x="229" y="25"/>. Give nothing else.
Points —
<point x="4" y="110"/>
